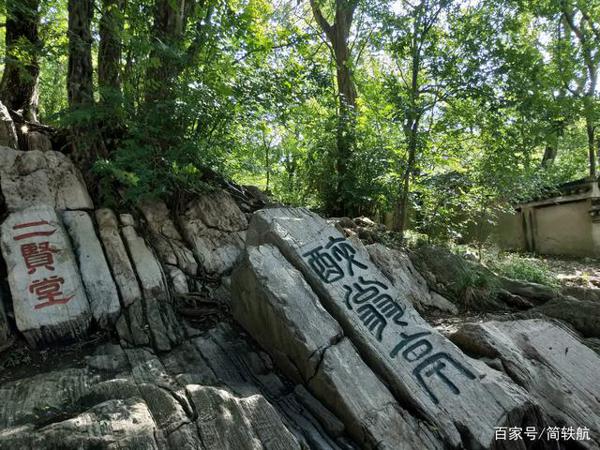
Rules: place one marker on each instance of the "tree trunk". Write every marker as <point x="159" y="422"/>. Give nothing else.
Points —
<point x="411" y="131"/>
<point x="338" y="35"/>
<point x="549" y="155"/>
<point x="402" y="207"/>
<point x="109" y="71"/>
<point x="19" y="86"/>
<point x="589" y="126"/>
<point x="109" y="52"/>
<point x="80" y="86"/>
<point x="87" y="142"/>
<point x="170" y="20"/>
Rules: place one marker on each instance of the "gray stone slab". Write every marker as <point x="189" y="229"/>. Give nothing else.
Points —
<point x="49" y="299"/>
<point x="461" y="396"/>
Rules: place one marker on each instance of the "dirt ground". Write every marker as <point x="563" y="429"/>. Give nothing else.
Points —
<point x="584" y="272"/>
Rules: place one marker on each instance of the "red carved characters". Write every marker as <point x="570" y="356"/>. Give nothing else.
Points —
<point x="49" y="289"/>
<point x="40" y="255"/>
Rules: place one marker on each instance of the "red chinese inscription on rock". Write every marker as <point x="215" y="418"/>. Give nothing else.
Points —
<point x="40" y="255"/>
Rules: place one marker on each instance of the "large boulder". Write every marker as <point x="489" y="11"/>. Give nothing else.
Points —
<point x="308" y="345"/>
<point x="41" y="178"/>
<point x="462" y="397"/>
<point x="398" y="268"/>
<point x="49" y="300"/>
<point x="97" y="279"/>
<point x="214" y="227"/>
<point x="582" y="315"/>
<point x="8" y="133"/>
<point x="547" y="360"/>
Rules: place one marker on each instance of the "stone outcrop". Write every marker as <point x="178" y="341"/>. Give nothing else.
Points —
<point x="97" y="279"/>
<point x="49" y="300"/>
<point x="547" y="360"/>
<point x="213" y="392"/>
<point x="177" y="259"/>
<point x="309" y="345"/>
<point x="5" y="334"/>
<point x="582" y="315"/>
<point x="214" y="226"/>
<point x="8" y="133"/>
<point x="41" y="178"/>
<point x="462" y="397"/>
<point x="399" y="269"/>
<point x="36" y="140"/>
<point x="160" y="317"/>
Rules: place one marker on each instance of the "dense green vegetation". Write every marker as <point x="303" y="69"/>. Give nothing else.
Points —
<point x="436" y="114"/>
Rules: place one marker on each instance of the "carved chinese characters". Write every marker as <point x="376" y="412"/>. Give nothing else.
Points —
<point x="461" y="396"/>
<point x="48" y="297"/>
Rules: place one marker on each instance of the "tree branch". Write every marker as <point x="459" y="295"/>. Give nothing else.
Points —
<point x="321" y="20"/>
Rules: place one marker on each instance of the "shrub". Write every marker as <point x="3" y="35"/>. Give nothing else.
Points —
<point x="525" y="269"/>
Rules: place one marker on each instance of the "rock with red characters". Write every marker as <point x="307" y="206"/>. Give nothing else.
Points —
<point x="49" y="300"/>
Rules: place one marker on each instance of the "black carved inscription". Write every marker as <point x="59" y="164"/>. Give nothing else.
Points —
<point x="407" y="339"/>
<point x="390" y="309"/>
<point x="342" y="250"/>
<point x="435" y="365"/>
<point x="325" y="261"/>
<point x="376" y="309"/>
<point x="372" y="319"/>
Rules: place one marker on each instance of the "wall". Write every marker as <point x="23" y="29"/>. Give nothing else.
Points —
<point x="564" y="229"/>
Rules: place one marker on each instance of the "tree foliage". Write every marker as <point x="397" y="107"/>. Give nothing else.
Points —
<point x="435" y="115"/>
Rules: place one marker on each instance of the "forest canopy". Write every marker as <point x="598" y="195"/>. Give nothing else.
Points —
<point x="433" y="114"/>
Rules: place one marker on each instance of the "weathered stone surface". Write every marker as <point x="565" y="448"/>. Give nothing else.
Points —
<point x="229" y="422"/>
<point x="116" y="253"/>
<point x="462" y="397"/>
<point x="399" y="269"/>
<point x="166" y="238"/>
<point x="8" y="133"/>
<point x="49" y="300"/>
<point x="112" y="424"/>
<point x="41" y="178"/>
<point x="160" y="317"/>
<point x="308" y="345"/>
<point x="183" y="399"/>
<point x="214" y="227"/>
<point x="5" y="335"/>
<point x="37" y="140"/>
<point x="547" y="360"/>
<point x="266" y="289"/>
<point x="97" y="279"/>
<point x="131" y="325"/>
<point x="584" y="316"/>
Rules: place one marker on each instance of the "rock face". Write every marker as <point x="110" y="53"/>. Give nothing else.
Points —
<point x="8" y="133"/>
<point x="97" y="279"/>
<point x="308" y="344"/>
<point x="462" y="397"/>
<point x="41" y="178"/>
<point x="558" y="371"/>
<point x="49" y="300"/>
<point x="178" y="261"/>
<point x="5" y="334"/>
<point x="584" y="316"/>
<point x="37" y="140"/>
<point x="214" y="227"/>
<point x="159" y="314"/>
<point x="214" y="392"/>
<point x="399" y="269"/>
